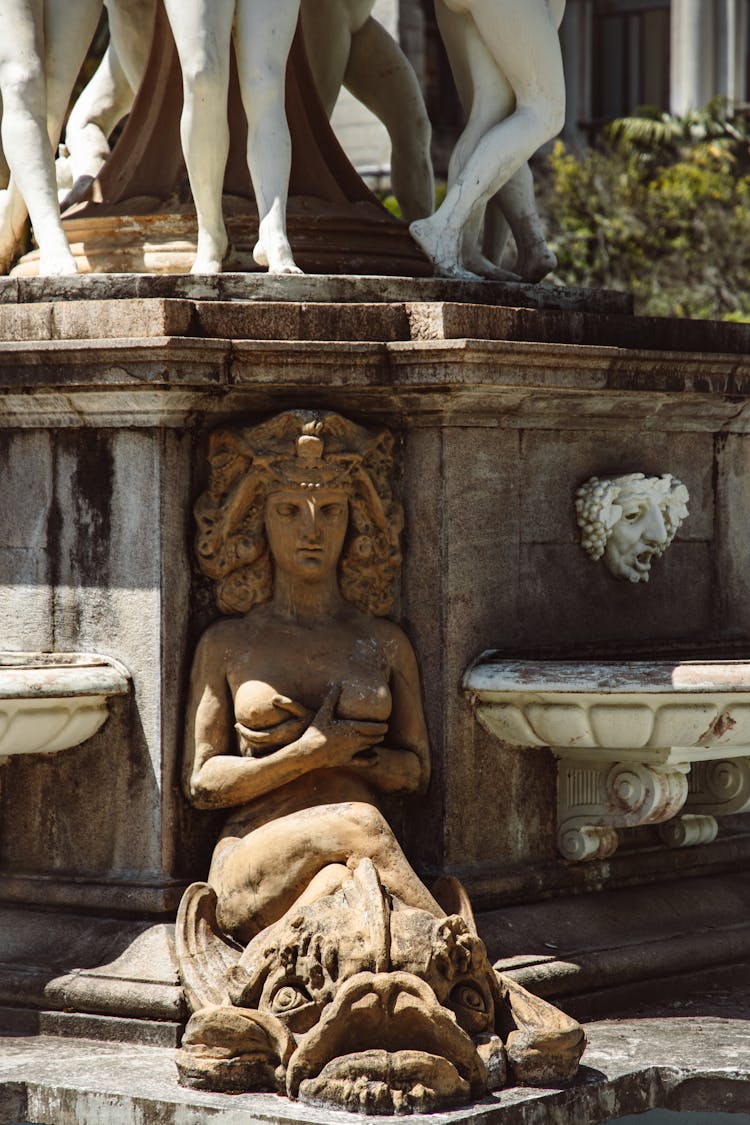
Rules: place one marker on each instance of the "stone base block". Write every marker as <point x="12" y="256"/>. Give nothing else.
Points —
<point x="629" y="1067"/>
<point x="82" y="976"/>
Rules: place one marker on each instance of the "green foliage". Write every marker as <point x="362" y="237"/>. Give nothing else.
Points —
<point x="662" y="208"/>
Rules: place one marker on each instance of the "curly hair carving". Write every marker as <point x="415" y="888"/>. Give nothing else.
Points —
<point x="300" y="449"/>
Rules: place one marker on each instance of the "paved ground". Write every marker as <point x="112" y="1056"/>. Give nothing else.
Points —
<point x="689" y="1053"/>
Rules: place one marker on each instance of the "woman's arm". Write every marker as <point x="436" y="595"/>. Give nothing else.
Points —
<point x="402" y="765"/>
<point x="217" y="777"/>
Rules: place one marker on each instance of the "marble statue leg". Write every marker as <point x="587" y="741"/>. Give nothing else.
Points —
<point x="345" y="49"/>
<point x="4" y="169"/>
<point x="130" y="28"/>
<point x="382" y="78"/>
<point x="254" y="891"/>
<point x="516" y="199"/>
<point x="104" y="101"/>
<point x="203" y="30"/>
<point x="481" y="88"/>
<point x="39" y="60"/>
<point x="502" y="43"/>
<point x="263" y="34"/>
<point x="109" y="95"/>
<point x="327" y="29"/>
<point x="516" y="203"/>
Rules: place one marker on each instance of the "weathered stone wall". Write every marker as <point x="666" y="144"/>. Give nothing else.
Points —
<point x="95" y="560"/>
<point x="501" y="413"/>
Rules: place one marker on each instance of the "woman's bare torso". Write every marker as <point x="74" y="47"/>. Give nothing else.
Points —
<point x="273" y="657"/>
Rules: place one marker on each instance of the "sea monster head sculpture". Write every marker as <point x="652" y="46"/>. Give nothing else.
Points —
<point x="358" y="1002"/>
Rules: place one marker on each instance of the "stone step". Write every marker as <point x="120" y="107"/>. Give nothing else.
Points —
<point x="142" y="318"/>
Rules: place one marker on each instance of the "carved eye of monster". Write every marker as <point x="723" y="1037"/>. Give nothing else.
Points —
<point x="293" y="1004"/>
<point x="289" y="997"/>
<point x="471" y="1007"/>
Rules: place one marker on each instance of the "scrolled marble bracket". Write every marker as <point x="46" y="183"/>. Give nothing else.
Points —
<point x="715" y="789"/>
<point x="595" y="798"/>
<point x="53" y="701"/>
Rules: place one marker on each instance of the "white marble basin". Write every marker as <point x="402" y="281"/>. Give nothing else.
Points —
<point x="637" y="742"/>
<point x="52" y="701"/>
<point x="672" y="710"/>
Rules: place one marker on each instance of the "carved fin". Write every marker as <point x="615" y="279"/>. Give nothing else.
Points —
<point x="204" y="954"/>
<point x="544" y="1045"/>
<point x="377" y="911"/>
<point x="451" y="894"/>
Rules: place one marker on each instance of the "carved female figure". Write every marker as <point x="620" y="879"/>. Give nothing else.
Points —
<point x="41" y="50"/>
<point x="507" y="62"/>
<point x="309" y="700"/>
<point x="354" y="989"/>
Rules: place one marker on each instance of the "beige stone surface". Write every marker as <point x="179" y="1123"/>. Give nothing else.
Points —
<point x="493" y="436"/>
<point x="355" y="990"/>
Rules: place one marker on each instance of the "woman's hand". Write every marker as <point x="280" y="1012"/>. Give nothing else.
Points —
<point x="337" y="741"/>
<point x="389" y="769"/>
<point x="258" y="743"/>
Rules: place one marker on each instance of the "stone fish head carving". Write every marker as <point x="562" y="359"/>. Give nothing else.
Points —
<point x="357" y="1002"/>
<point x="630" y="520"/>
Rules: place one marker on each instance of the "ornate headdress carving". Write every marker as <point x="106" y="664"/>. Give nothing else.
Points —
<point x="299" y="449"/>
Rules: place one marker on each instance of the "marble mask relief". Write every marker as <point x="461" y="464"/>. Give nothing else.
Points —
<point x="629" y="521"/>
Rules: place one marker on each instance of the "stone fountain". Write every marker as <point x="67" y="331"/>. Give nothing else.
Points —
<point x="636" y="742"/>
<point x="53" y="701"/>
<point x="606" y="720"/>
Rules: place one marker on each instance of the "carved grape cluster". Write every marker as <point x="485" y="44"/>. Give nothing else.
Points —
<point x="596" y="514"/>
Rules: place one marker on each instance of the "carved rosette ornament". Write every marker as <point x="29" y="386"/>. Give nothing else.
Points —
<point x="628" y="521"/>
<point x="315" y="961"/>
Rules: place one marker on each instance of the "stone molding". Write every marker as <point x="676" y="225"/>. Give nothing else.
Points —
<point x="163" y="381"/>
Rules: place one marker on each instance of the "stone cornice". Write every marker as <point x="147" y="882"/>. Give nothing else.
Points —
<point x="175" y="380"/>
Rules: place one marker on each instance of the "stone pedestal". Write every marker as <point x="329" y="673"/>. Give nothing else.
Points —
<point x="503" y="399"/>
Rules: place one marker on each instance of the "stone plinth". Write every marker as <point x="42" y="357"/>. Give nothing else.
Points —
<point x="504" y="400"/>
<point x="693" y="1058"/>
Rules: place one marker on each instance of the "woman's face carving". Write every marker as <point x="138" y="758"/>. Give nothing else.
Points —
<point x="306" y="529"/>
